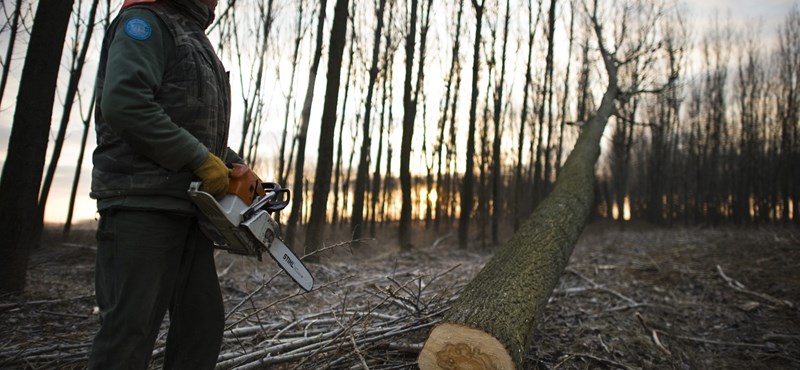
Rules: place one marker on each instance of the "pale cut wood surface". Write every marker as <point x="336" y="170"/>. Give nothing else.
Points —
<point x="458" y="347"/>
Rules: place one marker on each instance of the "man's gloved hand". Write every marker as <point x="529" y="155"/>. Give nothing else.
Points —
<point x="214" y="175"/>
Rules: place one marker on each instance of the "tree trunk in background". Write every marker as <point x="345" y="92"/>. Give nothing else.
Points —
<point x="467" y="187"/>
<point x="483" y="164"/>
<point x="346" y="187"/>
<point x="388" y="182"/>
<point x="10" y="50"/>
<point x="547" y="103"/>
<point x="423" y="36"/>
<point x="76" y="69"/>
<point x="497" y="166"/>
<point x="79" y="165"/>
<point x="283" y="168"/>
<point x="338" y="170"/>
<point x="565" y="102"/>
<point x="441" y="157"/>
<point x="622" y="142"/>
<point x="357" y="214"/>
<point x="789" y="116"/>
<point x="388" y="56"/>
<point x="21" y="220"/>
<point x="409" y="113"/>
<point x="451" y="174"/>
<point x="84" y="137"/>
<point x="305" y="117"/>
<point x="253" y="97"/>
<point x="519" y="206"/>
<point x="322" y="178"/>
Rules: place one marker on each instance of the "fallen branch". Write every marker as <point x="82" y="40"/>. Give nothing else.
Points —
<point x="740" y="287"/>
<point x="10" y="306"/>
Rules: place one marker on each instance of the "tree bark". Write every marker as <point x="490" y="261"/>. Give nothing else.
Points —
<point x="252" y="96"/>
<point x="441" y="157"/>
<point x="357" y="218"/>
<point x="78" y="59"/>
<point x="322" y="178"/>
<point x="467" y="187"/>
<point x="498" y="105"/>
<point x="283" y="168"/>
<point x="305" y="117"/>
<point x="409" y="114"/>
<point x="519" y="208"/>
<point x="21" y="220"/>
<point x="338" y="168"/>
<point x="387" y="75"/>
<point x="10" y="50"/>
<point x="79" y="165"/>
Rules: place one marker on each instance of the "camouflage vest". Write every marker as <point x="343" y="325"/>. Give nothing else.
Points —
<point x="195" y="94"/>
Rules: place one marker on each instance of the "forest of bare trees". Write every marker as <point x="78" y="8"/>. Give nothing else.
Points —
<point x="482" y="99"/>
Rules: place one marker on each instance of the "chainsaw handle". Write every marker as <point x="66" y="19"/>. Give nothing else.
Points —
<point x="280" y="199"/>
<point x="271" y="186"/>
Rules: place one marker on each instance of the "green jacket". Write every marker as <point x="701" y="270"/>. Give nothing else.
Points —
<point x="163" y="102"/>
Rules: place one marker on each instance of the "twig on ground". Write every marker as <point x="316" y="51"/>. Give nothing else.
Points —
<point x="603" y="288"/>
<point x="440" y="239"/>
<point x="653" y="334"/>
<point x="9" y="306"/>
<point x="740" y="287"/>
<point x="358" y="352"/>
<point x="604" y="360"/>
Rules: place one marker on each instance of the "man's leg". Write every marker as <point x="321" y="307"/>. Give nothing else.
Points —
<point x="196" y="314"/>
<point x="137" y="267"/>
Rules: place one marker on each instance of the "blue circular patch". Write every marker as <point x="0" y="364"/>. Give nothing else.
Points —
<point x="138" y="29"/>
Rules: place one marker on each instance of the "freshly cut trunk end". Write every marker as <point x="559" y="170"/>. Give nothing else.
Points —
<point x="453" y="346"/>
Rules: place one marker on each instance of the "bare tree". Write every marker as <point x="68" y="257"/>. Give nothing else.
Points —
<point x="79" y="50"/>
<point x="409" y="114"/>
<point x="788" y="107"/>
<point x="441" y="156"/>
<point x="21" y="219"/>
<point x="357" y="220"/>
<point x="322" y="179"/>
<point x="87" y="117"/>
<point x="305" y="117"/>
<point x="565" y="100"/>
<point x="497" y="166"/>
<point x="468" y="181"/>
<point x="12" y="37"/>
<point x="519" y="211"/>
<point x="338" y="168"/>
<point x="283" y="168"/>
<point x="388" y="56"/>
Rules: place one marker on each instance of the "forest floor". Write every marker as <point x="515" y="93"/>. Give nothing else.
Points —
<point x="639" y="298"/>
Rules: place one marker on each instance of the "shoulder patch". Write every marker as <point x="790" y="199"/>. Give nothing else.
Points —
<point x="138" y="29"/>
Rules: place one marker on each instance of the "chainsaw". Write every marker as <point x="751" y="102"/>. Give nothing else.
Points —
<point x="241" y="221"/>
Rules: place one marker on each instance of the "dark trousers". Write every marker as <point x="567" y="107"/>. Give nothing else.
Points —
<point x="149" y="262"/>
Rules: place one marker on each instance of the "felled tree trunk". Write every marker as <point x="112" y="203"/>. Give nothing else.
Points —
<point x="488" y="326"/>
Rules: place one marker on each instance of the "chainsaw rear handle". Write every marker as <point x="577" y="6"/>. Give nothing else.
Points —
<point x="274" y="200"/>
<point x="278" y="197"/>
<point x="278" y="200"/>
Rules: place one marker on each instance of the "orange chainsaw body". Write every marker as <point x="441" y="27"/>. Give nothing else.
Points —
<point x="245" y="184"/>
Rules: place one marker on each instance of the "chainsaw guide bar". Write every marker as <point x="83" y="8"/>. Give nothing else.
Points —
<point x="249" y="230"/>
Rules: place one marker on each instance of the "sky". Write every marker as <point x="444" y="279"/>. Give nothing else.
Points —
<point x="765" y="15"/>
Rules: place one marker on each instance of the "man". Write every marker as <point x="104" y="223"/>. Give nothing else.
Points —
<point x="163" y="109"/>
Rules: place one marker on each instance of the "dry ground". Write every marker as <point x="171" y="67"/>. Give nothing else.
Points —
<point x="642" y="298"/>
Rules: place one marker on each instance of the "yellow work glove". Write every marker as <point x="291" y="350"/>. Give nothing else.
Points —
<point x="214" y="175"/>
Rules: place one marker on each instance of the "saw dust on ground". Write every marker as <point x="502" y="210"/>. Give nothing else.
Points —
<point x="638" y="298"/>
